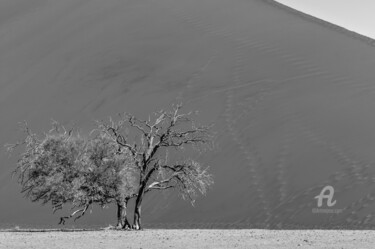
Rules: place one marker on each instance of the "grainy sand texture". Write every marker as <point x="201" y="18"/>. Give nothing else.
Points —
<point x="197" y="239"/>
<point x="291" y="97"/>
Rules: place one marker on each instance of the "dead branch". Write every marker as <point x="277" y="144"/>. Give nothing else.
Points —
<point x="82" y="212"/>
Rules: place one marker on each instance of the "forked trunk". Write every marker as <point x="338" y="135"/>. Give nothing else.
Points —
<point x="122" y="220"/>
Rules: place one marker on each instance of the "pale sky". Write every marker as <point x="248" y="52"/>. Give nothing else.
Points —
<point x="356" y="15"/>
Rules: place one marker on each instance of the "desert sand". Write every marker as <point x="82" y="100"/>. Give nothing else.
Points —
<point x="181" y="239"/>
<point x="291" y="96"/>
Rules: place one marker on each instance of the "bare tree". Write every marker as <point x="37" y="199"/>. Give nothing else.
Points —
<point x="154" y="147"/>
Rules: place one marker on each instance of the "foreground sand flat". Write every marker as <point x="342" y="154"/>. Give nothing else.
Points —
<point x="191" y="239"/>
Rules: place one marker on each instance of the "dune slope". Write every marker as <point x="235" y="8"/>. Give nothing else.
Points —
<point x="291" y="98"/>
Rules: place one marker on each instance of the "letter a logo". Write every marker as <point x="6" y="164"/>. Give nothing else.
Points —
<point x="328" y="196"/>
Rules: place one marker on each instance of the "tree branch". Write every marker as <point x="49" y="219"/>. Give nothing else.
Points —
<point x="159" y="188"/>
<point x="132" y="121"/>
<point x="82" y="211"/>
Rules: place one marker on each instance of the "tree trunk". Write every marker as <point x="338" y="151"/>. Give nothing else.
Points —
<point x="138" y="202"/>
<point x="137" y="210"/>
<point x="137" y="219"/>
<point x="122" y="220"/>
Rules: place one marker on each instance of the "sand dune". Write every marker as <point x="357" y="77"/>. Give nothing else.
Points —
<point x="291" y="97"/>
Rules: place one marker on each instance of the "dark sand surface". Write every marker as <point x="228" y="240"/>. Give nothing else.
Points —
<point x="199" y="239"/>
<point x="292" y="99"/>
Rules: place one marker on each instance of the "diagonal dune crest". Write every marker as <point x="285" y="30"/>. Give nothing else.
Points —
<point x="292" y="98"/>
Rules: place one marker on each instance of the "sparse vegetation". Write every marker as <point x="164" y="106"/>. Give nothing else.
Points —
<point x="118" y="161"/>
<point x="62" y="167"/>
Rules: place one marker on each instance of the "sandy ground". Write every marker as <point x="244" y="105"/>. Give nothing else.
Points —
<point x="191" y="239"/>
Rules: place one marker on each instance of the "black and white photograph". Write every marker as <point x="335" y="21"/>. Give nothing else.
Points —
<point x="187" y="124"/>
